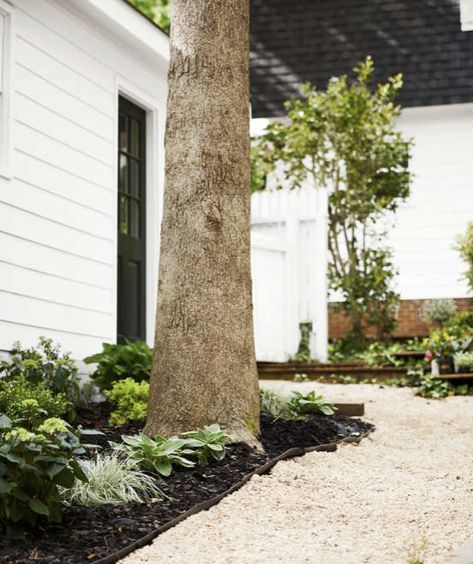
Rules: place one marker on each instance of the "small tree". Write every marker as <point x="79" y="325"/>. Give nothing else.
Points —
<point x="344" y="139"/>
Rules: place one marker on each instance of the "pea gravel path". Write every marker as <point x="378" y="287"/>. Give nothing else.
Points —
<point x="405" y="492"/>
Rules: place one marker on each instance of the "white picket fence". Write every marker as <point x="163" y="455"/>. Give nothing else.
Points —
<point x="289" y="269"/>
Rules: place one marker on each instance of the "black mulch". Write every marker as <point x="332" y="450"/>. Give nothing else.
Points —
<point x="90" y="533"/>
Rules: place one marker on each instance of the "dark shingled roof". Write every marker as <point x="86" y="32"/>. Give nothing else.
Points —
<point x="294" y="41"/>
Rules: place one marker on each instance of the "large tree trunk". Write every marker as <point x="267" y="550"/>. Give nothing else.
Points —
<point x="204" y="367"/>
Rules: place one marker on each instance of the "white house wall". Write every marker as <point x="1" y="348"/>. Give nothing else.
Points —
<point x="441" y="202"/>
<point x="58" y="212"/>
<point x="440" y="205"/>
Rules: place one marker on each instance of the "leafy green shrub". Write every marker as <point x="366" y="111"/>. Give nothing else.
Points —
<point x="33" y="466"/>
<point x="438" y="311"/>
<point x="120" y="361"/>
<point x="111" y="479"/>
<point x="30" y="404"/>
<point x="208" y="442"/>
<point x="44" y="365"/>
<point x="462" y="322"/>
<point x="130" y="399"/>
<point x="465" y="248"/>
<point x="158" y="454"/>
<point x="302" y="404"/>
<point x="435" y="389"/>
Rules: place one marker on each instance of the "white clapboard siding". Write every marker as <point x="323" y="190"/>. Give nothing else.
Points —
<point x="52" y="95"/>
<point x="289" y="267"/>
<point x="60" y="236"/>
<point x="58" y="211"/>
<point x="47" y="121"/>
<point x="50" y="315"/>
<point x="440" y="205"/>
<point x="62" y="73"/>
<point x="51" y="149"/>
<point x="34" y="255"/>
<point x="52" y="178"/>
<point x="27" y="282"/>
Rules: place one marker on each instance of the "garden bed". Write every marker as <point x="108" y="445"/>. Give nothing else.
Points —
<point x="88" y="534"/>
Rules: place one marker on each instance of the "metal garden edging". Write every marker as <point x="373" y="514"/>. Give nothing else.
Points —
<point x="205" y="505"/>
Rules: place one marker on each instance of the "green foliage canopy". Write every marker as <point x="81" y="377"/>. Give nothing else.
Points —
<point x="344" y="139"/>
<point x="156" y="10"/>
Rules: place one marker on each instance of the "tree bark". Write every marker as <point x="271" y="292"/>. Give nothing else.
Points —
<point x="204" y="366"/>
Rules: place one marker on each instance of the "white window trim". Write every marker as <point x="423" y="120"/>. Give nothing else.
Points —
<point x="155" y="122"/>
<point x="7" y="13"/>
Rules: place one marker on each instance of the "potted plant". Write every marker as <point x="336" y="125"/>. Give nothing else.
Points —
<point x="464" y="362"/>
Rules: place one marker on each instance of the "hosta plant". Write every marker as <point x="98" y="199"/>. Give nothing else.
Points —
<point x="158" y="454"/>
<point x="209" y="441"/>
<point x="120" y="361"/>
<point x="130" y="400"/>
<point x="112" y="479"/>
<point x="33" y="466"/>
<point x="275" y="405"/>
<point x="302" y="404"/>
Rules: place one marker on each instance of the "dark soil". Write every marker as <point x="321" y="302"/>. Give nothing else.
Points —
<point x="90" y="533"/>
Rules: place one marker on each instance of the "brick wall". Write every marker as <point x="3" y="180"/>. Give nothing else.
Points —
<point x="409" y="323"/>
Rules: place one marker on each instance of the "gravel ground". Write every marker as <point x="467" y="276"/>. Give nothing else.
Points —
<point x="404" y="493"/>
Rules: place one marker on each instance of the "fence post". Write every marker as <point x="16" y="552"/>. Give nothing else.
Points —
<point x="319" y="336"/>
<point x="292" y="271"/>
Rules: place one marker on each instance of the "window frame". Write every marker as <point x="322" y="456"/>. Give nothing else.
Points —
<point x="7" y="16"/>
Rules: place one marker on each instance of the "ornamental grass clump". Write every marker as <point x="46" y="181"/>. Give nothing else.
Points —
<point x="112" y="479"/>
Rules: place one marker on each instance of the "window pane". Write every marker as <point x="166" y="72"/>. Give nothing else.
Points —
<point x="123" y="180"/>
<point x="134" y="219"/>
<point x="134" y="138"/>
<point x="123" y="132"/>
<point x="134" y="178"/>
<point x="123" y="215"/>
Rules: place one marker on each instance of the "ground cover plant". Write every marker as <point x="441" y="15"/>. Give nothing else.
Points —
<point x="129" y="399"/>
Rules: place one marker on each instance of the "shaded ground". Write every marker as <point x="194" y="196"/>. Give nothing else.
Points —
<point x="404" y="492"/>
<point x="87" y="534"/>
